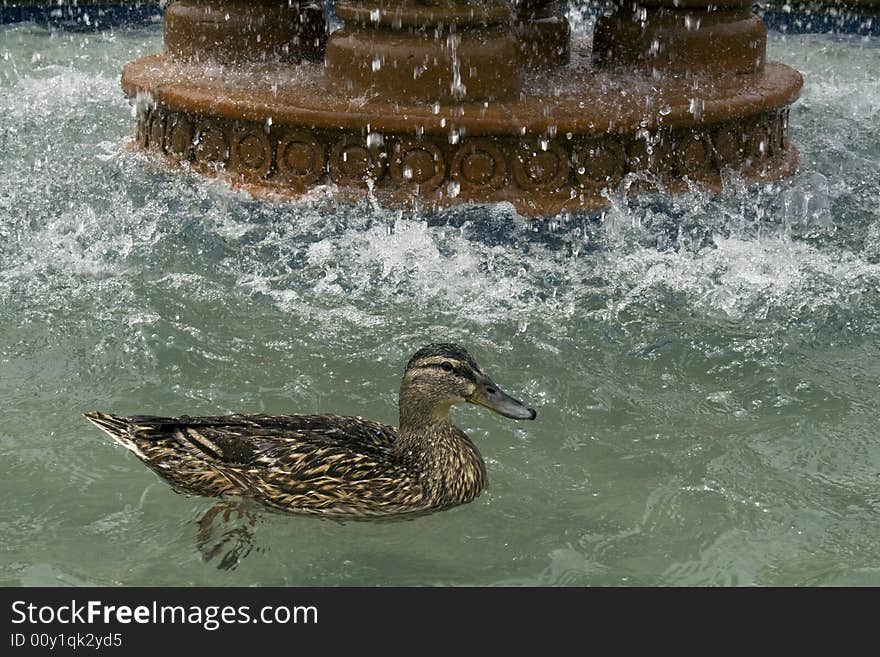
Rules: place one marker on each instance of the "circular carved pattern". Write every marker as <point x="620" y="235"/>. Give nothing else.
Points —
<point x="210" y="144"/>
<point x="300" y="157"/>
<point x="693" y="154"/>
<point x="418" y="164"/>
<point x="638" y="156"/>
<point x="600" y="164"/>
<point x="156" y="131"/>
<point x="727" y="142"/>
<point x="179" y="136"/>
<point x="142" y="128"/>
<point x="541" y="167"/>
<point x="479" y="164"/>
<point x="251" y="152"/>
<point x="758" y="142"/>
<point x="494" y="169"/>
<point x="780" y="128"/>
<point x="352" y="162"/>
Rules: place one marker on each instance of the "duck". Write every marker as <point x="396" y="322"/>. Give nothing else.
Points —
<point x="331" y="464"/>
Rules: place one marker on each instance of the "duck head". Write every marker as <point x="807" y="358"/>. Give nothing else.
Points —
<point x="440" y="375"/>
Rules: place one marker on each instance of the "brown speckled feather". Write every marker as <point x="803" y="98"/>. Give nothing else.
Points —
<point x="310" y="463"/>
<point x="330" y="464"/>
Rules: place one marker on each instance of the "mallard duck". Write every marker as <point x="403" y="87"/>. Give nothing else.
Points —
<point x="329" y="464"/>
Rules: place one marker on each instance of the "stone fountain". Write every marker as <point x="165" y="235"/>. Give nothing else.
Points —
<point x="454" y="102"/>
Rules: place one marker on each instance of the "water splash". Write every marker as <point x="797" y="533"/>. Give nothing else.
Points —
<point x="705" y="366"/>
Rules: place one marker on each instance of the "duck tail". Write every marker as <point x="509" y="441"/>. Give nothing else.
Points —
<point x="116" y="427"/>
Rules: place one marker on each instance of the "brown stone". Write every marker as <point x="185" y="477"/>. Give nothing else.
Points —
<point x="682" y="40"/>
<point x="541" y="166"/>
<point x="251" y="151"/>
<point x="155" y="130"/>
<point x="418" y="164"/>
<point x="354" y="162"/>
<point x="543" y="33"/>
<point x="180" y="137"/>
<point x="211" y="144"/>
<point x="233" y="30"/>
<point x="416" y="52"/>
<point x="479" y="165"/>
<point x="493" y="123"/>
<point x="300" y="158"/>
<point x="600" y="163"/>
<point x="693" y="154"/>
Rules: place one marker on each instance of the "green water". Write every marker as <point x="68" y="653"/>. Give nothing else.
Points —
<point x="706" y="370"/>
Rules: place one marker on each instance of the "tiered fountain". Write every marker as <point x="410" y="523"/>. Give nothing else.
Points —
<point x="451" y="102"/>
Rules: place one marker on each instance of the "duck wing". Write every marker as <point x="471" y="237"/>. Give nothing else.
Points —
<point x="252" y="439"/>
<point x="313" y="463"/>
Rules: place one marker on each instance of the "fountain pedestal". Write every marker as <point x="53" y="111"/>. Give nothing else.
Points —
<point x="448" y="102"/>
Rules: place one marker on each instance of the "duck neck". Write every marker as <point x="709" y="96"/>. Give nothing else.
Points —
<point x="450" y="467"/>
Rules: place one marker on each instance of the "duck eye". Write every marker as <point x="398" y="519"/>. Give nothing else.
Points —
<point x="447" y="367"/>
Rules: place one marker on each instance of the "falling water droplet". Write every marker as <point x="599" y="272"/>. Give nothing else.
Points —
<point x="691" y="23"/>
<point x="458" y="88"/>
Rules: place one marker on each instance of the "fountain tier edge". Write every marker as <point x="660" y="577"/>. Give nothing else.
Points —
<point x="554" y="139"/>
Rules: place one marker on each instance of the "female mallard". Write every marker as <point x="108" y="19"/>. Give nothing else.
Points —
<point x="327" y="464"/>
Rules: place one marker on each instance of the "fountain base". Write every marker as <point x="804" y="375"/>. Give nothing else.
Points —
<point x="558" y="149"/>
<point x="366" y="118"/>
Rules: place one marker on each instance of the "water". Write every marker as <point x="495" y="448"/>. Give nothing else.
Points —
<point x="706" y="370"/>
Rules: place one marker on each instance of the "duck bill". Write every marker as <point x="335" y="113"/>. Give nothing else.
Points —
<point x="495" y="399"/>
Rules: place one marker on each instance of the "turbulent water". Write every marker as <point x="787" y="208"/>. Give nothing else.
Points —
<point x="706" y="369"/>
